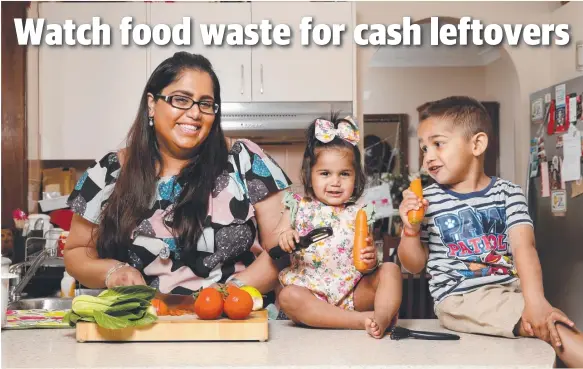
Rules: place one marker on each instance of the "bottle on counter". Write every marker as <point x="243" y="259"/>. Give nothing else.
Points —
<point x="67" y="286"/>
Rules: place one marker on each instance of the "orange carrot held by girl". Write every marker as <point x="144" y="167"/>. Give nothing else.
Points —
<point x="360" y="236"/>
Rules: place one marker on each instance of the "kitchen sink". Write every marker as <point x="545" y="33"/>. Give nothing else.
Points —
<point x="47" y="303"/>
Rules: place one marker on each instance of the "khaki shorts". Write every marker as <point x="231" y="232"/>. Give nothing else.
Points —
<point x="493" y="310"/>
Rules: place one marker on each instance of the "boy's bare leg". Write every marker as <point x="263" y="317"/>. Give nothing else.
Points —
<point x="301" y="306"/>
<point x="571" y="350"/>
<point x="384" y="287"/>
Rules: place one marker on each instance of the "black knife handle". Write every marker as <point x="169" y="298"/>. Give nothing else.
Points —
<point x="434" y="335"/>
<point x="276" y="252"/>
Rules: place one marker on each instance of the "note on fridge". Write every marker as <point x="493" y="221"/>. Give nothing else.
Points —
<point x="573" y="109"/>
<point x="560" y="92"/>
<point x="545" y="185"/>
<point x="571" y="170"/>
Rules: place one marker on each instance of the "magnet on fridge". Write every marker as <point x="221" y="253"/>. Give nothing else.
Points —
<point x="551" y="118"/>
<point x="545" y="186"/>
<point x="562" y="125"/>
<point x="559" y="203"/>
<point x="555" y="178"/>
<point x="579" y="107"/>
<point x="537" y="111"/>
<point x="572" y="109"/>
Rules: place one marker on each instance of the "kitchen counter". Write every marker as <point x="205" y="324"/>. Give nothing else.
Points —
<point x="288" y="347"/>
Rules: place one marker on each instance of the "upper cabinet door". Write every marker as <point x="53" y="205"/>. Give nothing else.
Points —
<point x="303" y="73"/>
<point x="89" y="95"/>
<point x="232" y="64"/>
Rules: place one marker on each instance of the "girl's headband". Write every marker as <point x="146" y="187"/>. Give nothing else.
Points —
<point x="325" y="131"/>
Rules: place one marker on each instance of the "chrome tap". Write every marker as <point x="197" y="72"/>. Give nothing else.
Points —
<point x="20" y="282"/>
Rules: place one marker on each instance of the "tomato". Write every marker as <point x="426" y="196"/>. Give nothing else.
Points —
<point x="231" y="289"/>
<point x="209" y="304"/>
<point x="238" y="304"/>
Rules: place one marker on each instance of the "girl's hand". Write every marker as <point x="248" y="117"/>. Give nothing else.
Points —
<point x="369" y="254"/>
<point x="288" y="239"/>
<point x="411" y="202"/>
<point x="126" y="276"/>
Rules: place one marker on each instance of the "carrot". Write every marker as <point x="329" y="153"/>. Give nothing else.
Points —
<point x="360" y="235"/>
<point x="161" y="307"/>
<point x="416" y="216"/>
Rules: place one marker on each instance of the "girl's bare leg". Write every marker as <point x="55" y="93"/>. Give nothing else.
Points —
<point x="384" y="287"/>
<point x="571" y="350"/>
<point x="302" y="307"/>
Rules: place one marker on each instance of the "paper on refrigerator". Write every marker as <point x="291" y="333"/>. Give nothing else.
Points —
<point x="571" y="169"/>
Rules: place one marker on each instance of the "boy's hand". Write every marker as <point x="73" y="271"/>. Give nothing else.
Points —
<point x="538" y="320"/>
<point x="369" y="254"/>
<point x="411" y="202"/>
<point x="288" y="239"/>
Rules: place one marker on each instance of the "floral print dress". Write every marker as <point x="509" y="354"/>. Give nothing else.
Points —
<point x="326" y="267"/>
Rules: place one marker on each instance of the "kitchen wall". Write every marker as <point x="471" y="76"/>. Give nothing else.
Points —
<point x="289" y="157"/>
<point x="563" y="58"/>
<point x="402" y="90"/>
<point x="502" y="86"/>
<point x="533" y="64"/>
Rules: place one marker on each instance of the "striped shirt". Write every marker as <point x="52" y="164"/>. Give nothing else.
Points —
<point x="467" y="236"/>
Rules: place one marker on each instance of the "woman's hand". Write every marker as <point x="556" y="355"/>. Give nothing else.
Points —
<point x="288" y="239"/>
<point x="411" y="202"/>
<point x="125" y="276"/>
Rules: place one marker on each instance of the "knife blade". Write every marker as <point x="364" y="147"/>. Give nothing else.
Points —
<point x="173" y="300"/>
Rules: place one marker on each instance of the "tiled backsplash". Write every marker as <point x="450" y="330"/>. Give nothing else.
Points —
<point x="289" y="157"/>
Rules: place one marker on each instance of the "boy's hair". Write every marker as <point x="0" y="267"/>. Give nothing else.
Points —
<point x="463" y="111"/>
<point x="310" y="157"/>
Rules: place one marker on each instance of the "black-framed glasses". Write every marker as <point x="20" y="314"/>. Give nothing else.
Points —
<point x="186" y="103"/>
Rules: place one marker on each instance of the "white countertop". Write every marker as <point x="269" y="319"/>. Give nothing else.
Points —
<point x="288" y="347"/>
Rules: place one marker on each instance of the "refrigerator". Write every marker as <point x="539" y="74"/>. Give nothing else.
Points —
<point x="558" y="231"/>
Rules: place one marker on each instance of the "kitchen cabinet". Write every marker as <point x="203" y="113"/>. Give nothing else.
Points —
<point x="232" y="64"/>
<point x="89" y="96"/>
<point x="303" y="73"/>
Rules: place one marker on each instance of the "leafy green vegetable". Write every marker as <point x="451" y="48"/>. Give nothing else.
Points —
<point x="116" y="308"/>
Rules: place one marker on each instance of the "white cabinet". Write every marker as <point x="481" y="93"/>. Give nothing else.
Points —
<point x="89" y="96"/>
<point x="303" y="73"/>
<point x="267" y="73"/>
<point x="231" y="64"/>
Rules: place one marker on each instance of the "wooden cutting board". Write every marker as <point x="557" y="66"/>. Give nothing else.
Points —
<point x="182" y="328"/>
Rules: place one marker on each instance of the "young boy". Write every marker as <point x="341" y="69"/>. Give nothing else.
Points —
<point x="477" y="236"/>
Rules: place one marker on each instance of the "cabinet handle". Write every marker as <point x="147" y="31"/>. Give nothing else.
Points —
<point x="242" y="79"/>
<point x="261" y="71"/>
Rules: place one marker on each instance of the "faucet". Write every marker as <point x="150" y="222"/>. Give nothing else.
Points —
<point x="21" y="281"/>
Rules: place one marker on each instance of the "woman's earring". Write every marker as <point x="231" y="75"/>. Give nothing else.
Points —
<point x="151" y="121"/>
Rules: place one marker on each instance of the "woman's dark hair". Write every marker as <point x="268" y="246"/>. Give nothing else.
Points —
<point x="135" y="189"/>
<point x="310" y="157"/>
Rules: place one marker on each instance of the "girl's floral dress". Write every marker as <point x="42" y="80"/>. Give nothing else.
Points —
<point x="326" y="267"/>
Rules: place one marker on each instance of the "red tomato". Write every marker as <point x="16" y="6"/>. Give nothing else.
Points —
<point x="209" y="304"/>
<point x="238" y="304"/>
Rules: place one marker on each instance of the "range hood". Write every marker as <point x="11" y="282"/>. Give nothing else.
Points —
<point x="276" y="122"/>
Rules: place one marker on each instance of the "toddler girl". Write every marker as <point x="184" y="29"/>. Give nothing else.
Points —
<point x="322" y="288"/>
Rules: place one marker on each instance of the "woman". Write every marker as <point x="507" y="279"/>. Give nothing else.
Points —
<point x="180" y="207"/>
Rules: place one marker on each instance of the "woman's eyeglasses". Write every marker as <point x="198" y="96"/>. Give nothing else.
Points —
<point x="186" y="103"/>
